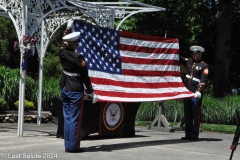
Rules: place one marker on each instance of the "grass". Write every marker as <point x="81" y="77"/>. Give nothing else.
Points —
<point x="229" y="129"/>
<point x="219" y="128"/>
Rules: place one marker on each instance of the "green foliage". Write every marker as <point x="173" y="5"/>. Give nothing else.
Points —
<point x="51" y="89"/>
<point x="219" y="128"/>
<point x="31" y="89"/>
<point x="173" y="110"/>
<point x="127" y="25"/>
<point x="190" y="22"/>
<point x="56" y="41"/>
<point x="142" y="123"/>
<point x="9" y="88"/>
<point x="3" y="105"/>
<point x="208" y="88"/>
<point x="220" y="111"/>
<point x="7" y="56"/>
<point x="205" y="127"/>
<point x="210" y="109"/>
<point x="28" y="105"/>
<point x="9" y="84"/>
<point x="214" y="111"/>
<point x="147" y="111"/>
<point x="52" y="66"/>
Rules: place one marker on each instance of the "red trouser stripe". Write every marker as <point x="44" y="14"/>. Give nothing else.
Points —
<point x="80" y="121"/>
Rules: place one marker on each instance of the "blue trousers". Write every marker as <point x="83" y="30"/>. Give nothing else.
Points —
<point x="72" y="112"/>
<point x="192" y="113"/>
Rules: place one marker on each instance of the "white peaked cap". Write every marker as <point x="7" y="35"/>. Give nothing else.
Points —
<point x="71" y="37"/>
<point x="197" y="48"/>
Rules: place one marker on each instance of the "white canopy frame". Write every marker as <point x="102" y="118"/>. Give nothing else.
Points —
<point x="42" y="19"/>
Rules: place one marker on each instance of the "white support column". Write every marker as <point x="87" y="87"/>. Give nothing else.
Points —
<point x="19" y="132"/>
<point x="41" y="56"/>
<point x="160" y="123"/>
<point x="22" y="76"/>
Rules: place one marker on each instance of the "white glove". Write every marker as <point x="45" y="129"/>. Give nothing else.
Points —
<point x="85" y="88"/>
<point x="197" y="95"/>
<point x="94" y="96"/>
<point x="70" y="23"/>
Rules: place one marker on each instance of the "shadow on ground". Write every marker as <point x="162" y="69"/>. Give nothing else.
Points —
<point x="111" y="147"/>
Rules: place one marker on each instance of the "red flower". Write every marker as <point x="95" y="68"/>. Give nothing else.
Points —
<point x="16" y="46"/>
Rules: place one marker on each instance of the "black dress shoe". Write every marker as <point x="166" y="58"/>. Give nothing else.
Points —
<point x="194" y="139"/>
<point x="60" y="136"/>
<point x="186" y="138"/>
<point x="75" y="151"/>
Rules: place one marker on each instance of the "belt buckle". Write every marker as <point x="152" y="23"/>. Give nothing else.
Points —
<point x="191" y="76"/>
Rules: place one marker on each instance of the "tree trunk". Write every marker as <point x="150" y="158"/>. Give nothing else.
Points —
<point x="223" y="49"/>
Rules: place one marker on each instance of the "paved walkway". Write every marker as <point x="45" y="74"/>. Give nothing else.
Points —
<point x="39" y="142"/>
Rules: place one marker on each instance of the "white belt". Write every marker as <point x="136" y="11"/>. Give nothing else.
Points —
<point x="72" y="74"/>
<point x="195" y="79"/>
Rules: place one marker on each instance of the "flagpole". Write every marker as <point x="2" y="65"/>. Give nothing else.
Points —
<point x="165" y="36"/>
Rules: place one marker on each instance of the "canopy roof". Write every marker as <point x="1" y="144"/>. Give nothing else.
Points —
<point x="43" y="18"/>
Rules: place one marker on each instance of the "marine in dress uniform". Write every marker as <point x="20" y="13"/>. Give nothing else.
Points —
<point x="195" y="80"/>
<point x="74" y="77"/>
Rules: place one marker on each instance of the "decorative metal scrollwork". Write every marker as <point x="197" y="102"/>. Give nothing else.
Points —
<point x="54" y="14"/>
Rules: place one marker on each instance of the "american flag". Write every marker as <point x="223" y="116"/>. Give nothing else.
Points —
<point x="129" y="67"/>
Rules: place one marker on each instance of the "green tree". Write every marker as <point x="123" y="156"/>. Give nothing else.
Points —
<point x="223" y="48"/>
<point x="52" y="67"/>
<point x="7" y="55"/>
<point x="201" y="22"/>
<point x="234" y="75"/>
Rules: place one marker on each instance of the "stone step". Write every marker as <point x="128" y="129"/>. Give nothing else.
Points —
<point x="29" y="117"/>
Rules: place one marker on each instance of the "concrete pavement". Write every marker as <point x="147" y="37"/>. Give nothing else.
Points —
<point x="40" y="142"/>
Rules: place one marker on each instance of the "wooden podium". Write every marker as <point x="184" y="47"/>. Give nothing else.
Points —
<point x="104" y="118"/>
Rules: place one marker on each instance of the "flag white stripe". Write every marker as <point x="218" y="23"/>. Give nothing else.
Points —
<point x="149" y="44"/>
<point x="149" y="55"/>
<point x="147" y="67"/>
<point x="148" y="99"/>
<point x="138" y="90"/>
<point x="104" y="55"/>
<point x="124" y="78"/>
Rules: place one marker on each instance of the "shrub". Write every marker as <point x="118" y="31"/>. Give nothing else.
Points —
<point x="147" y="111"/>
<point x="215" y="111"/>
<point x="9" y="88"/>
<point x="3" y="105"/>
<point x="220" y="111"/>
<point x="173" y="110"/>
<point x="212" y="110"/>
<point x="30" y="89"/>
<point x="51" y="90"/>
<point x="9" y="84"/>
<point x="28" y="105"/>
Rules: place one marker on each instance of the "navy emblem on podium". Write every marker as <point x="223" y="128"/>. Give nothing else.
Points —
<point x="113" y="115"/>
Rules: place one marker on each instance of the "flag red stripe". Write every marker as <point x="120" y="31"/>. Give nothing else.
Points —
<point x="146" y="62"/>
<point x="101" y="81"/>
<point x="131" y="48"/>
<point x="150" y="73"/>
<point x="149" y="61"/>
<point x="139" y="95"/>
